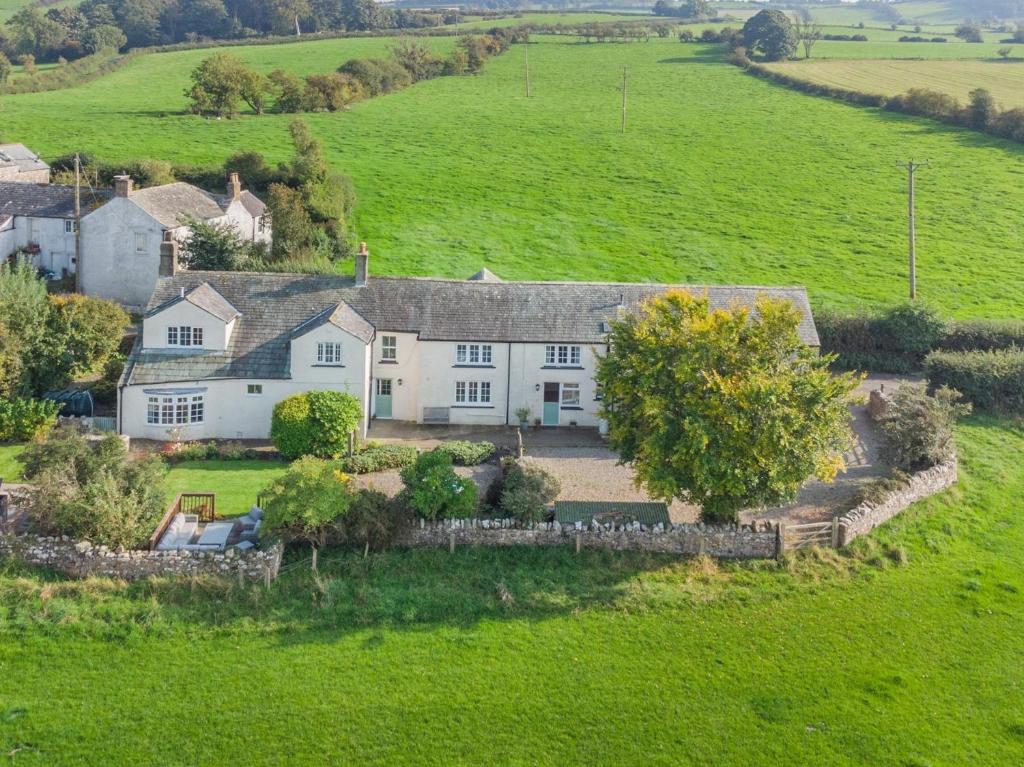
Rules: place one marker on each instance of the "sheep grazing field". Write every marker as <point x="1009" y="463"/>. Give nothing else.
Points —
<point x="720" y="176"/>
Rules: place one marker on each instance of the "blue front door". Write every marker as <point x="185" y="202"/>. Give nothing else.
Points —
<point x="382" y="405"/>
<point x="552" y="412"/>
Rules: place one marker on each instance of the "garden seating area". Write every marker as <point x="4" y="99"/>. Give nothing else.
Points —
<point x="187" y="532"/>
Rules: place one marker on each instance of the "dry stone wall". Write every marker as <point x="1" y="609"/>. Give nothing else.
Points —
<point x="80" y="559"/>
<point x="739" y="541"/>
<point x="867" y="516"/>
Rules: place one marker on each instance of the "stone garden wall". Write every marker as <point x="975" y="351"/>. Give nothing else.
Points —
<point x="742" y="541"/>
<point x="867" y="516"/>
<point x="80" y="559"/>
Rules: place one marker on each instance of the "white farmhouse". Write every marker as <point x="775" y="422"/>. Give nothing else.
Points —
<point x="219" y="349"/>
<point x="121" y="240"/>
<point x="19" y="163"/>
<point x="39" y="219"/>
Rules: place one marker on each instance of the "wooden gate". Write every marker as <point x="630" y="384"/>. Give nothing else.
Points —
<point x="824" y="534"/>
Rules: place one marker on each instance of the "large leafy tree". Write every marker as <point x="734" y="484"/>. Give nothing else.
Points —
<point x="308" y="501"/>
<point x="727" y="409"/>
<point x="771" y="34"/>
<point x="221" y="81"/>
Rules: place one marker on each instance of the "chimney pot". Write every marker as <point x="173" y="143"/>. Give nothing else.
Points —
<point x="362" y="265"/>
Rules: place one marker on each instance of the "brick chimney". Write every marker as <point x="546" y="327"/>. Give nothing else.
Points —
<point x="362" y="265"/>
<point x="123" y="185"/>
<point x="168" y="256"/>
<point x="234" y="186"/>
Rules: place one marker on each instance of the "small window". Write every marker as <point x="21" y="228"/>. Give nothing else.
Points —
<point x="474" y="354"/>
<point x="460" y="392"/>
<point x="563" y="355"/>
<point x="197" y="336"/>
<point x="472" y="392"/>
<point x="172" y="336"/>
<point x="198" y="409"/>
<point x="254" y="390"/>
<point x="575" y="355"/>
<point x="549" y="355"/>
<point x="389" y="348"/>
<point x="141" y="244"/>
<point x="153" y="410"/>
<point x="384" y="387"/>
<point x="485" y="391"/>
<point x="461" y="354"/>
<point x="570" y="395"/>
<point x="262" y="223"/>
<point x="328" y="353"/>
<point x="70" y="226"/>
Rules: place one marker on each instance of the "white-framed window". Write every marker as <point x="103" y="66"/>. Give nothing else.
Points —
<point x="141" y="242"/>
<point x="563" y="355"/>
<point x="389" y="348"/>
<point x="384" y="387"/>
<point x="472" y="392"/>
<point x="254" y="390"/>
<point x="184" y="335"/>
<point x="70" y="226"/>
<point x="328" y="353"/>
<point x="261" y="224"/>
<point x="570" y="395"/>
<point x="474" y="354"/>
<point x="176" y="410"/>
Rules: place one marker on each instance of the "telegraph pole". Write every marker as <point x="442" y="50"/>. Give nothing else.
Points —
<point x="623" y="129"/>
<point x="912" y="167"/>
<point x="78" y="225"/>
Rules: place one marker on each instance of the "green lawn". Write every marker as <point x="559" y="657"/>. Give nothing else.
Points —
<point x="607" y="658"/>
<point x="236" y="483"/>
<point x="721" y="177"/>
<point x="10" y="467"/>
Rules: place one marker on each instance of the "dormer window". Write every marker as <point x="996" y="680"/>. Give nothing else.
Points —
<point x="184" y="335"/>
<point x="328" y="353"/>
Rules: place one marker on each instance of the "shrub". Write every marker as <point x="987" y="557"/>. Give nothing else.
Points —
<point x="527" y="492"/>
<point x="917" y="428"/>
<point x="465" y="453"/>
<point x="92" y="489"/>
<point x="878" y="490"/>
<point x="23" y="419"/>
<point x="314" y="423"/>
<point x="307" y="501"/>
<point x="379" y="458"/>
<point x="982" y="335"/>
<point x="434" y="491"/>
<point x="377" y="76"/>
<point x="895" y="341"/>
<point x="990" y="380"/>
<point x="104" y="391"/>
<point x="373" y="520"/>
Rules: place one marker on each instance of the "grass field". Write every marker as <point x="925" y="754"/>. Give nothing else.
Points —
<point x="914" y="11"/>
<point x="236" y="483"/>
<point x="607" y="658"/>
<point x="1005" y="79"/>
<point x="890" y="49"/>
<point x="457" y="173"/>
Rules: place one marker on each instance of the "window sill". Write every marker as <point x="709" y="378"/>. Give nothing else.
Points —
<point x="471" y="365"/>
<point x="326" y="365"/>
<point x="562" y="367"/>
<point x="571" y="407"/>
<point x="387" y="362"/>
<point x="472" y="407"/>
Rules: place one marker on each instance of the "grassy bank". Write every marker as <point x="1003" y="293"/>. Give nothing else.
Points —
<point x="903" y="651"/>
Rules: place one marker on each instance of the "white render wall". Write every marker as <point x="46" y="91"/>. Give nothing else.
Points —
<point x="111" y="267"/>
<point x="216" y="333"/>
<point x="56" y="247"/>
<point x="405" y="396"/>
<point x="244" y="223"/>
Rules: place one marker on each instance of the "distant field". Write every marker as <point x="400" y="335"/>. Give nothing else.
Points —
<point x="923" y="11"/>
<point x="476" y="22"/>
<point x="958" y="78"/>
<point x="883" y="49"/>
<point x="721" y="177"/>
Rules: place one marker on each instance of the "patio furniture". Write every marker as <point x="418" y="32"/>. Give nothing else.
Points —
<point x="249" y="525"/>
<point x="179" y="532"/>
<point x="245" y="546"/>
<point x="215" y="536"/>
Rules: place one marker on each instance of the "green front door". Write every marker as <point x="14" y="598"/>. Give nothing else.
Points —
<point x="552" y="411"/>
<point x="382" y="405"/>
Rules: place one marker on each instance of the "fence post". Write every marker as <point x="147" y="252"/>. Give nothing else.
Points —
<point x="266" y="577"/>
<point x="451" y="542"/>
<point x="780" y="539"/>
<point x="314" y="558"/>
<point x="835" y="532"/>
<point x="579" y="541"/>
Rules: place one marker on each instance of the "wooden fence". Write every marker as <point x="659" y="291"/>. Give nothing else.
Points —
<point x="809" y="534"/>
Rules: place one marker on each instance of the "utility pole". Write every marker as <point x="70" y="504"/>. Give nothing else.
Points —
<point x="527" y="66"/>
<point x="912" y="167"/>
<point x="623" y="129"/>
<point x="78" y="225"/>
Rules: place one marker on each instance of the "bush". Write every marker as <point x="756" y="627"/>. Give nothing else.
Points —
<point x="434" y="491"/>
<point x="917" y="428"/>
<point x="990" y="380"/>
<point x="104" y="391"/>
<point x="373" y="520"/>
<point x="213" y="451"/>
<point x="895" y="341"/>
<point x="527" y="492"/>
<point x="982" y="335"/>
<point x="93" y="489"/>
<point x="307" y="502"/>
<point x="379" y="458"/>
<point x="314" y="423"/>
<point x="22" y="419"/>
<point x="377" y="76"/>
<point x="465" y="453"/>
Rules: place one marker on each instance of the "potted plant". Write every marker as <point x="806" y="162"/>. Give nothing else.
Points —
<point x="523" y="414"/>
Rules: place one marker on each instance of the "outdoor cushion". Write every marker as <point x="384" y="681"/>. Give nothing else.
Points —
<point x="245" y="545"/>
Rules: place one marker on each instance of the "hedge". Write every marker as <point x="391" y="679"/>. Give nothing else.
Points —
<point x="24" y="419"/>
<point x="990" y="380"/>
<point x="464" y="453"/>
<point x="982" y="335"/>
<point x="379" y="458"/>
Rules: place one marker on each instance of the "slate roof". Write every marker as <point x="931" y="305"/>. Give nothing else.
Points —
<point x="274" y="306"/>
<point x="21" y="157"/>
<point x="342" y="316"/>
<point x="170" y="204"/>
<point x="252" y="203"/>
<point x="18" y="198"/>
<point x="206" y="298"/>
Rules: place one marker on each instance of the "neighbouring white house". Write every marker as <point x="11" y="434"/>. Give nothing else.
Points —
<point x="19" y="163"/>
<point x="39" y="219"/>
<point x="219" y="349"/>
<point x="121" y="240"/>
